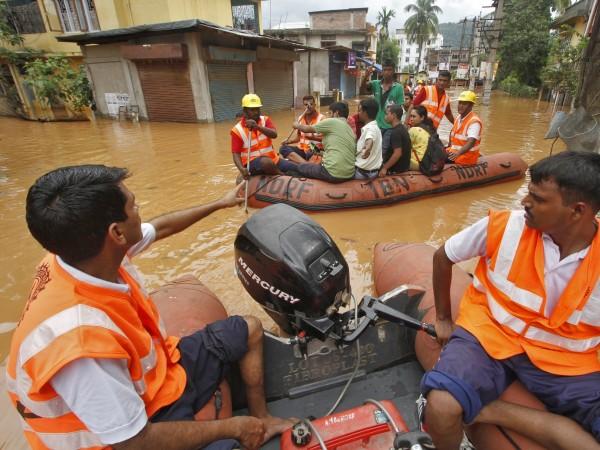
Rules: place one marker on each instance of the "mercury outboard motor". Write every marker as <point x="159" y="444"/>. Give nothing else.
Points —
<point x="292" y="267"/>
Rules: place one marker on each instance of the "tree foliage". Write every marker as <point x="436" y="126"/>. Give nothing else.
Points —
<point x="564" y="62"/>
<point x="56" y="82"/>
<point x="525" y="40"/>
<point x="384" y="18"/>
<point x="388" y="50"/>
<point x="423" y="24"/>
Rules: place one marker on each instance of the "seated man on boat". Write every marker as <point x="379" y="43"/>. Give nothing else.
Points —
<point x="398" y="160"/>
<point x="339" y="147"/>
<point x="532" y="313"/>
<point x="368" y="146"/>
<point x="251" y="142"/>
<point x="465" y="137"/>
<point x="302" y="152"/>
<point x="90" y="364"/>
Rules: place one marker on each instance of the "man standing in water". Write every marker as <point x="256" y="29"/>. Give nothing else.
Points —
<point x="251" y="138"/>
<point x="532" y="313"/>
<point x="90" y="364"/>
<point x="386" y="92"/>
<point x="436" y="99"/>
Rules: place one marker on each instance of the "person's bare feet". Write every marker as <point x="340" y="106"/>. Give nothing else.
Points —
<point x="276" y="425"/>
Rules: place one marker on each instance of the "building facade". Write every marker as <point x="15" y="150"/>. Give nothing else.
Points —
<point x="342" y="35"/>
<point x="408" y="58"/>
<point x="40" y="22"/>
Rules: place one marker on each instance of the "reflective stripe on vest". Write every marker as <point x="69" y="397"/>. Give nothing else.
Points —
<point x="88" y="321"/>
<point x="258" y="143"/>
<point x="514" y="300"/>
<point x="459" y="137"/>
<point x="305" y="142"/>
<point x="435" y="108"/>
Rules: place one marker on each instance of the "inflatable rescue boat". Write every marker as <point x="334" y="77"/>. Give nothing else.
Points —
<point x="350" y="369"/>
<point x="316" y="195"/>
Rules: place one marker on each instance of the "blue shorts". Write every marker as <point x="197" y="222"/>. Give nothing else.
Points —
<point x="256" y="165"/>
<point x="475" y="379"/>
<point x="287" y="149"/>
<point x="206" y="356"/>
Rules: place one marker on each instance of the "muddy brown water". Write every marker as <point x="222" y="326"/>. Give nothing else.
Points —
<point x="175" y="166"/>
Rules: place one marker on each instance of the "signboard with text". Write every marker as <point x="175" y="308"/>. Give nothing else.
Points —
<point x="114" y="101"/>
<point x="462" y="72"/>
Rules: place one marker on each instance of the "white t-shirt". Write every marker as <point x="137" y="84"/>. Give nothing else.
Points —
<point x="473" y="131"/>
<point x="100" y="392"/>
<point x="375" y="159"/>
<point x="471" y="242"/>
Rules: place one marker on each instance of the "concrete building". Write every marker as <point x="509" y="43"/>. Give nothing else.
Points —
<point x="342" y="34"/>
<point x="187" y="71"/>
<point x="40" y="22"/>
<point x="409" y="52"/>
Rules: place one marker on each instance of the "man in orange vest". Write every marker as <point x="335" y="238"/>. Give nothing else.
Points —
<point x="435" y="99"/>
<point x="90" y="364"/>
<point x="251" y="142"/>
<point x="532" y="313"/>
<point x="465" y="137"/>
<point x="302" y="152"/>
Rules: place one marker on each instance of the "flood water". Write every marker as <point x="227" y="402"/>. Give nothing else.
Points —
<point x="176" y="166"/>
<point x="179" y="165"/>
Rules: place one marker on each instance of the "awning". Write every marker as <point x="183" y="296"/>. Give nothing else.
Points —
<point x="370" y="63"/>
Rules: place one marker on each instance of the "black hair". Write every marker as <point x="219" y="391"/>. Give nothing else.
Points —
<point x="370" y="106"/>
<point x="341" y="108"/>
<point x="396" y="110"/>
<point x="577" y="175"/>
<point x="308" y="97"/>
<point x="409" y="95"/>
<point x="427" y="123"/>
<point x="69" y="210"/>
<point x="388" y="63"/>
<point x="445" y="73"/>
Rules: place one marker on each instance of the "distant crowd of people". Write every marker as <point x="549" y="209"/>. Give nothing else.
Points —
<point x="390" y="133"/>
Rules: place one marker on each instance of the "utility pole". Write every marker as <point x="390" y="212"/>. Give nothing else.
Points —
<point x="494" y="42"/>
<point x="473" y="57"/>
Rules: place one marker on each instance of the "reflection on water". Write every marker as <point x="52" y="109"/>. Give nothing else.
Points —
<point x="178" y="165"/>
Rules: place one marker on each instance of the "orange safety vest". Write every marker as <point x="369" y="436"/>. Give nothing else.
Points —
<point x="305" y="142"/>
<point x="458" y="138"/>
<point x="504" y="307"/>
<point x="66" y="319"/>
<point x="436" y="108"/>
<point x="258" y="143"/>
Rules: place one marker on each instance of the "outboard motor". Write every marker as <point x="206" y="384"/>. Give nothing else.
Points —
<point x="292" y="267"/>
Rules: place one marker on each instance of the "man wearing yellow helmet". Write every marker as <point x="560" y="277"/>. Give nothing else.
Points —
<point x="251" y="142"/>
<point x="465" y="136"/>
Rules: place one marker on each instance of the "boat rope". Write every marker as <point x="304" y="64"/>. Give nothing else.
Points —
<point x="341" y="396"/>
<point x="508" y="437"/>
<point x="264" y="185"/>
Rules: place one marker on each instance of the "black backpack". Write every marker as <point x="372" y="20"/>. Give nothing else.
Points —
<point x="434" y="158"/>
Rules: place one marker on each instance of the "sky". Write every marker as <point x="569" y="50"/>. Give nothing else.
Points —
<point x="297" y="10"/>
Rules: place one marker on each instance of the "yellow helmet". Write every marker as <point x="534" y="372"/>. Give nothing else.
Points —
<point x="420" y="82"/>
<point x="467" y="96"/>
<point x="251" y="101"/>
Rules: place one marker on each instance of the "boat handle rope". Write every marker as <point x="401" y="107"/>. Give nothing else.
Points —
<point x="506" y="165"/>
<point x="436" y="180"/>
<point x="337" y="196"/>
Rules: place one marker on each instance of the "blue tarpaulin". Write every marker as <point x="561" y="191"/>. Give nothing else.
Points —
<point x="369" y="63"/>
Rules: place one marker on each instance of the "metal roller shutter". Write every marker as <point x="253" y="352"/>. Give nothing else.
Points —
<point x="228" y="83"/>
<point x="274" y="84"/>
<point x="167" y="91"/>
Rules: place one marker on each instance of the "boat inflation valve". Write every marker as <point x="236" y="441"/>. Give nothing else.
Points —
<point x="301" y="434"/>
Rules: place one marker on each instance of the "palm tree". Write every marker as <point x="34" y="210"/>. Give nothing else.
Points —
<point x="423" y="24"/>
<point x="383" y="20"/>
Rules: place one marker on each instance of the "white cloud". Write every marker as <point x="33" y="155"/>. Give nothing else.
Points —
<point x="297" y="11"/>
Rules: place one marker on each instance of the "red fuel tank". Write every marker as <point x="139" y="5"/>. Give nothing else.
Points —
<point x="363" y="427"/>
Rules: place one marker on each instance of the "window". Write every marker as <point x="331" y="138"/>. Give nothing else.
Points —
<point x="408" y="51"/>
<point x="407" y="59"/>
<point x="24" y="16"/>
<point x="245" y="14"/>
<point x="358" y="46"/>
<point x="77" y="15"/>
<point x="328" y="40"/>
